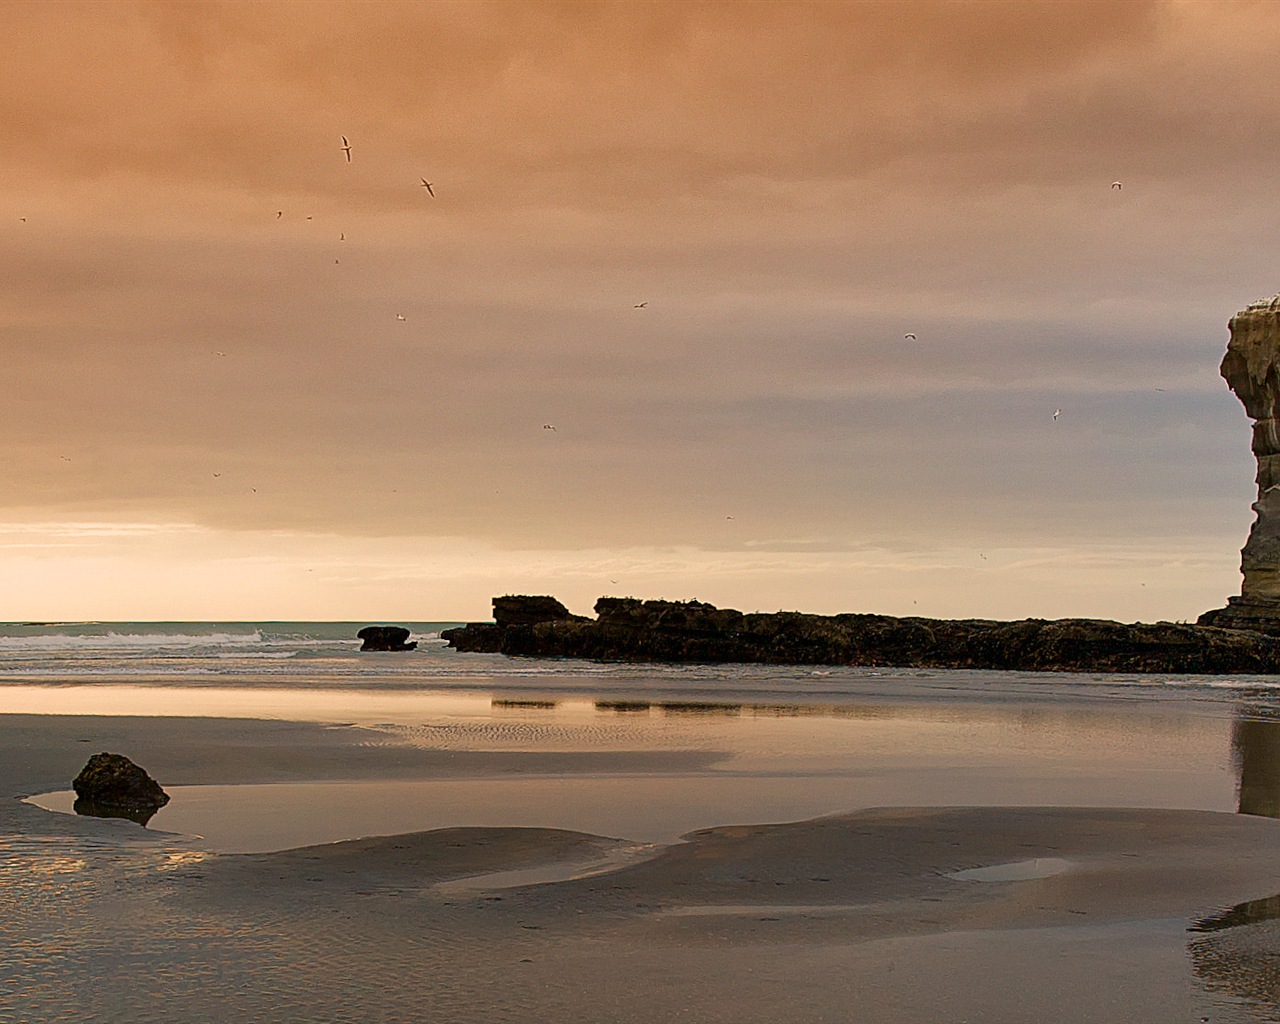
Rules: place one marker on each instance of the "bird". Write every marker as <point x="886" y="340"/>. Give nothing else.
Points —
<point x="641" y="305"/>
<point x="346" y="148"/>
<point x="216" y="352"/>
<point x="310" y="218"/>
<point x="1057" y="413"/>
<point x="65" y="458"/>
<point x="613" y="581"/>
<point x="23" y="219"/>
<point x="427" y="185"/>
<point x="1117" y="184"/>
<point x="335" y="261"/>
<point x="279" y="214"/>
<point x="547" y="426"/>
<point x="217" y="474"/>
<point x="728" y="517"/>
<point x="400" y="317"/>
<point x="342" y="236"/>
<point x="909" y="337"/>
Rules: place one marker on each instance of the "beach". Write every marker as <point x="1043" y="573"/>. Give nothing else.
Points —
<point x="929" y="848"/>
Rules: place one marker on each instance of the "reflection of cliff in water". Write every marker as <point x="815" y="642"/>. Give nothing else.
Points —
<point x="1255" y="750"/>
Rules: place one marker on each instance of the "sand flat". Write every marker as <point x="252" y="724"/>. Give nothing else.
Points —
<point x="103" y="921"/>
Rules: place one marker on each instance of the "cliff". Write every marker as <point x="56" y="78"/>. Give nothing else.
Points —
<point x="1251" y="368"/>
<point x="627" y="629"/>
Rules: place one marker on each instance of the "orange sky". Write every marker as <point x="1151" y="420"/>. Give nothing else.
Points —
<point x="790" y="187"/>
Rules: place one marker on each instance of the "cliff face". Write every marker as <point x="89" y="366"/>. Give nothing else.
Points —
<point x="1251" y="368"/>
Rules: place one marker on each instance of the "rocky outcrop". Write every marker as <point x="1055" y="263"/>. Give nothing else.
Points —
<point x="627" y="629"/>
<point x="112" y="786"/>
<point x="386" y="638"/>
<point x="1251" y="368"/>
<point x="525" y="610"/>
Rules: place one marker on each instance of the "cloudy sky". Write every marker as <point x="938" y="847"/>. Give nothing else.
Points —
<point x="210" y="406"/>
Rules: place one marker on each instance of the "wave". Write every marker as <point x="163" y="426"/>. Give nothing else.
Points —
<point x="53" y="642"/>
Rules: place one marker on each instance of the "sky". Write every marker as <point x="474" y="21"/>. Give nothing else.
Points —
<point x="246" y="378"/>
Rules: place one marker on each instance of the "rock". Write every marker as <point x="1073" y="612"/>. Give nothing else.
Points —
<point x="1251" y="368"/>
<point x="523" y="610"/>
<point x="521" y="613"/>
<point x="386" y="638"/>
<point x="627" y="629"/>
<point x="112" y="786"/>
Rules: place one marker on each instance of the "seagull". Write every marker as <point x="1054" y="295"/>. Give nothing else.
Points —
<point x="1117" y="184"/>
<point x="641" y="305"/>
<point x="346" y="148"/>
<point x="1057" y="413"/>
<point x="217" y="474"/>
<point x="342" y="236"/>
<point x="728" y="517"/>
<point x="909" y="337"/>
<point x="217" y="353"/>
<point x="547" y="426"/>
<point x="279" y="214"/>
<point x="400" y="317"/>
<point x="427" y="185"/>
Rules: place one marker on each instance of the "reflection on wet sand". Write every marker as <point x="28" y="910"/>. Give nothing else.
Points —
<point x="92" y="809"/>
<point x="1255" y="750"/>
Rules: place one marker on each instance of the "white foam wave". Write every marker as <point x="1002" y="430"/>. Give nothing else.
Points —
<point x="56" y="642"/>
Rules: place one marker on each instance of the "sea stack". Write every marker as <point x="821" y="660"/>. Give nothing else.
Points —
<point x="1251" y="368"/>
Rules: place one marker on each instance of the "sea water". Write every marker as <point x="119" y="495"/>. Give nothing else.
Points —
<point x="780" y="742"/>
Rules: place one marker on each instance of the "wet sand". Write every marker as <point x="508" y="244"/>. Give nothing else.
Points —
<point x="855" y="916"/>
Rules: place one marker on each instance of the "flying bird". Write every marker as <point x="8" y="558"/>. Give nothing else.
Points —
<point x="400" y="316"/>
<point x="1057" y="413"/>
<point x="217" y="474"/>
<point x="909" y="337"/>
<point x="1117" y="184"/>
<point x="547" y="426"/>
<point x="427" y="185"/>
<point x="346" y="148"/>
<point x="641" y="305"/>
<point x="279" y="214"/>
<point x="216" y="352"/>
<point x="342" y="236"/>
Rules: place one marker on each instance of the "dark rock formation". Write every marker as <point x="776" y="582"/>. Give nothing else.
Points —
<point x="385" y="638"/>
<point x="523" y="610"/>
<point x="1251" y="368"/>
<point x="112" y="786"/>
<point x="627" y="629"/>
